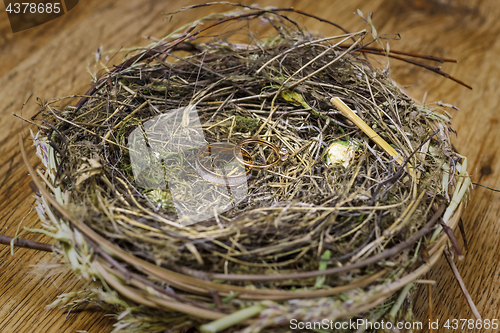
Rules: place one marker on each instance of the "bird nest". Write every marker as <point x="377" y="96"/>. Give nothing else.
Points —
<point x="333" y="225"/>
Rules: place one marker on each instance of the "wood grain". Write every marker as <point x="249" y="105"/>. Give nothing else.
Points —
<point x="50" y="61"/>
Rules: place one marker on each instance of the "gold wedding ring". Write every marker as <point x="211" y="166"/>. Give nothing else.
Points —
<point x="281" y="154"/>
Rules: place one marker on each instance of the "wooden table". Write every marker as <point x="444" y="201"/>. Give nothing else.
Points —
<point x="50" y="61"/>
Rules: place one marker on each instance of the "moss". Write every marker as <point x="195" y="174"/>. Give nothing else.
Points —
<point x="245" y="124"/>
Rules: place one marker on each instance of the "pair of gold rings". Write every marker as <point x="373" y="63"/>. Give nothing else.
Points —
<point x="224" y="163"/>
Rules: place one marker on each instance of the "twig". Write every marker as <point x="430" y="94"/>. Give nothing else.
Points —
<point x="29" y="121"/>
<point x="489" y="188"/>
<point x="462" y="232"/>
<point x="26" y="243"/>
<point x="462" y="285"/>
<point x="453" y="239"/>
<point x="434" y="69"/>
<point x="409" y="54"/>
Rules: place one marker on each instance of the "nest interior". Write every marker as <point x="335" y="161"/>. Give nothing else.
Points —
<point x="309" y="239"/>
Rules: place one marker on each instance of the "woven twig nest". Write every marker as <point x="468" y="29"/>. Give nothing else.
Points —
<point x="333" y="232"/>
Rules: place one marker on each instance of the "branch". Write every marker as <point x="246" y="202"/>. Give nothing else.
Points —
<point x="26" y="243"/>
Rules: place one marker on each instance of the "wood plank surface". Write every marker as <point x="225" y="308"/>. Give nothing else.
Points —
<point x="50" y="61"/>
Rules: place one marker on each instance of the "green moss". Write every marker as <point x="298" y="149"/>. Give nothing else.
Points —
<point x="245" y="124"/>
